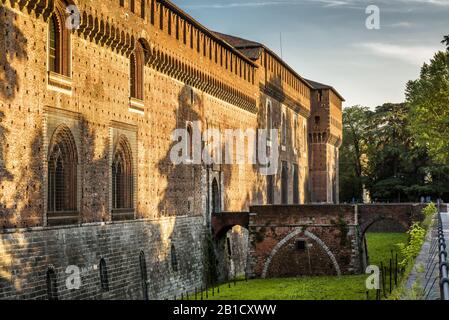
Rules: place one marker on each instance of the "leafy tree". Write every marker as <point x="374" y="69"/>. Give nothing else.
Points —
<point x="353" y="153"/>
<point x="428" y="98"/>
<point x="379" y="152"/>
<point x="446" y="42"/>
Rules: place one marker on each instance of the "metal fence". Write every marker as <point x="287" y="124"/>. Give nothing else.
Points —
<point x="437" y="266"/>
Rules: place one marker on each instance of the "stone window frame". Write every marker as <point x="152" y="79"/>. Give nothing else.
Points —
<point x="116" y="131"/>
<point x="123" y="159"/>
<point x="137" y="62"/>
<point x="62" y="149"/>
<point x="54" y="118"/>
<point x="60" y="78"/>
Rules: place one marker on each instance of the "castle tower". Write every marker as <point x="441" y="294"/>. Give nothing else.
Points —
<point x="325" y="138"/>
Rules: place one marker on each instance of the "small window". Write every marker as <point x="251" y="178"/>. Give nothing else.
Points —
<point x="284" y="180"/>
<point x="174" y="259"/>
<point x="284" y="129"/>
<point x="317" y="120"/>
<point x="192" y="96"/>
<point x="142" y="9"/>
<point x="122" y="3"/>
<point x="143" y="274"/>
<point x="137" y="62"/>
<point x="52" y="285"/>
<point x="270" y="189"/>
<point x="59" y="59"/>
<point x="104" y="276"/>
<point x="295" y="184"/>
<point x="190" y="141"/>
<point x="301" y="245"/>
<point x="132" y="6"/>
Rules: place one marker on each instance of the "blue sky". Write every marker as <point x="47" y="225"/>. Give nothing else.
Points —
<point x="327" y="40"/>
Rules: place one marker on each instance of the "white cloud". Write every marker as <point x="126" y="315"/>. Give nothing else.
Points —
<point x="415" y="55"/>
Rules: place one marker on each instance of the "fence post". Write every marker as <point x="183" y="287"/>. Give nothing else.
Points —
<point x="391" y="276"/>
<point x="396" y="271"/>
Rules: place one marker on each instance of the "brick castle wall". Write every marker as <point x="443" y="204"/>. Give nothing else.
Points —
<point x="26" y="255"/>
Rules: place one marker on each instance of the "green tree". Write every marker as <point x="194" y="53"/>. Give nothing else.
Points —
<point x="394" y="161"/>
<point x="446" y="42"/>
<point x="428" y="98"/>
<point x="353" y="153"/>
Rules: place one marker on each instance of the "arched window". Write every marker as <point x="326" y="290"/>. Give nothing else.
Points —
<point x="142" y="9"/>
<point x="269" y="118"/>
<point x="295" y="184"/>
<point x="137" y="61"/>
<point x="52" y="284"/>
<point x="62" y="172"/>
<point x="104" y="280"/>
<point x="122" y="178"/>
<point x="284" y="129"/>
<point x="144" y="275"/>
<point x="174" y="258"/>
<point x="284" y="182"/>
<point x="190" y="141"/>
<point x="59" y="41"/>
<point x="270" y="189"/>
<point x="215" y="197"/>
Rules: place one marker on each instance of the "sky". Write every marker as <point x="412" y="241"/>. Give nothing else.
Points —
<point x="328" y="41"/>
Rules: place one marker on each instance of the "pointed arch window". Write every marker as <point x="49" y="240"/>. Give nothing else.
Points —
<point x="143" y="274"/>
<point x="189" y="141"/>
<point x="104" y="279"/>
<point x="122" y="179"/>
<point x="174" y="258"/>
<point x="284" y="129"/>
<point x="270" y="189"/>
<point x="59" y="48"/>
<point x="52" y="284"/>
<point x="137" y="61"/>
<point x="295" y="184"/>
<point x="62" y="174"/>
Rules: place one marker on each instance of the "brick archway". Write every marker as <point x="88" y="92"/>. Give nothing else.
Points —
<point x="291" y="236"/>
<point x="224" y="221"/>
<point x="367" y="224"/>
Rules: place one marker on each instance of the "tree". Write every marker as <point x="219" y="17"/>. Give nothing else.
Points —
<point x="446" y="42"/>
<point x="353" y="153"/>
<point x="428" y="98"/>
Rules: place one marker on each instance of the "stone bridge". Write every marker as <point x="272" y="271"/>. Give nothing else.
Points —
<point x="289" y="241"/>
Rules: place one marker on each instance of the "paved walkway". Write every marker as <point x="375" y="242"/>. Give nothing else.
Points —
<point x="426" y="273"/>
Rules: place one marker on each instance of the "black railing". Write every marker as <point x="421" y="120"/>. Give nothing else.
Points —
<point x="442" y="254"/>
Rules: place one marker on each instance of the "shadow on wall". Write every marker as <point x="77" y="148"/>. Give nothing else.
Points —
<point x="12" y="47"/>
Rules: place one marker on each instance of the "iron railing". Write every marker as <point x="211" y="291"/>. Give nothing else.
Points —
<point x="442" y="254"/>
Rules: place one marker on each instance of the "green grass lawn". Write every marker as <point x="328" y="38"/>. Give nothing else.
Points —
<point x="381" y="244"/>
<point x="315" y="288"/>
<point x="312" y="288"/>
